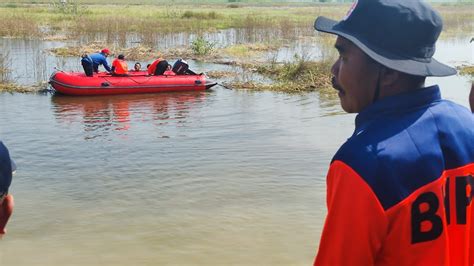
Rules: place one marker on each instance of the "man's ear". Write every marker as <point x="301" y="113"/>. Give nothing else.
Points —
<point x="390" y="77"/>
<point x="6" y="210"/>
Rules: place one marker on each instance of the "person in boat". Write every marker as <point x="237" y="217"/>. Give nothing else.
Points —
<point x="169" y="71"/>
<point x="401" y="188"/>
<point x="119" y="66"/>
<point x="7" y="168"/>
<point x="97" y="59"/>
<point x="137" y="67"/>
<point x="86" y="62"/>
<point x="158" y="67"/>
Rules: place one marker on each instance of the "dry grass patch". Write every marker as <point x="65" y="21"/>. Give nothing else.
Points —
<point x="11" y="88"/>
<point x="221" y="74"/>
<point x="299" y="76"/>
<point x="248" y="50"/>
<point x="466" y="70"/>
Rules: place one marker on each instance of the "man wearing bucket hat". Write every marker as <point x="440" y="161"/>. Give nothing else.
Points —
<point x="401" y="189"/>
<point x="7" y="168"/>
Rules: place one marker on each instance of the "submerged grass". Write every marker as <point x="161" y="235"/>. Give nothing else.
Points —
<point x="221" y="74"/>
<point x="238" y="53"/>
<point x="248" y="50"/>
<point x="298" y="76"/>
<point x="15" y="88"/>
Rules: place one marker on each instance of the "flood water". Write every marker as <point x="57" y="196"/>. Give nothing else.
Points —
<point x="221" y="177"/>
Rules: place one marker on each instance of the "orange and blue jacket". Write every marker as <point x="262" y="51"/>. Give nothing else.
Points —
<point x="400" y="191"/>
<point x="119" y="66"/>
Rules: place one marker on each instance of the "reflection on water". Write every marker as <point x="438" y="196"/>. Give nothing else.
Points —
<point x="100" y="115"/>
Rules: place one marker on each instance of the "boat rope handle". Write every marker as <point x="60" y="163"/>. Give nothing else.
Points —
<point x="131" y="78"/>
<point x="149" y="77"/>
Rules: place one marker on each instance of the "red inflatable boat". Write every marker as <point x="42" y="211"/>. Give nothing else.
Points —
<point x="77" y="83"/>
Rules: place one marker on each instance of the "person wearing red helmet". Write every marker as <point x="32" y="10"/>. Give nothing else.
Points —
<point x="93" y="62"/>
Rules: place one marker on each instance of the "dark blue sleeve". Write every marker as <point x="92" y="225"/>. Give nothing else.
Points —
<point x="5" y="168"/>
<point x="106" y="65"/>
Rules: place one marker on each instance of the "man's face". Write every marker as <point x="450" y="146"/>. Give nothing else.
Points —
<point x="355" y="76"/>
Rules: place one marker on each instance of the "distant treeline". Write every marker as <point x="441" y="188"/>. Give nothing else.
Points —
<point x="168" y="2"/>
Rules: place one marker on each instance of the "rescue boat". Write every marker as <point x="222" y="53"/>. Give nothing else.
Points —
<point x="77" y="83"/>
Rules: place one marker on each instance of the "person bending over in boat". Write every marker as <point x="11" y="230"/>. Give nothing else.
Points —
<point x="158" y="67"/>
<point x="119" y="66"/>
<point x="7" y="167"/>
<point x="86" y="62"/>
<point x="91" y="63"/>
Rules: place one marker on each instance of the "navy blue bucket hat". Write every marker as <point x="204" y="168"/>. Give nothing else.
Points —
<point x="399" y="34"/>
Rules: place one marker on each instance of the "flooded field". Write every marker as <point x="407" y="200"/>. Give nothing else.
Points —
<point x="221" y="177"/>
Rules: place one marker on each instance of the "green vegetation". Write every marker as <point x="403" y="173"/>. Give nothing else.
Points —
<point x="297" y="76"/>
<point x="201" y="46"/>
<point x="147" y="18"/>
<point x="74" y="20"/>
<point x="200" y="15"/>
<point x="261" y="27"/>
<point x="70" y="7"/>
<point x="251" y="50"/>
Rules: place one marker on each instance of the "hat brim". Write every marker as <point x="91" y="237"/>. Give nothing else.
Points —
<point x="390" y="60"/>
<point x="13" y="164"/>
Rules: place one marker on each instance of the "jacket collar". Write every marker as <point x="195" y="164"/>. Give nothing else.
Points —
<point x="397" y="104"/>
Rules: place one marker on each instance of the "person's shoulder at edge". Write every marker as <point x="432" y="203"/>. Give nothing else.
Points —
<point x="8" y="167"/>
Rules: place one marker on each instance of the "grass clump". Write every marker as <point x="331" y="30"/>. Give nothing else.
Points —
<point x="248" y="50"/>
<point x="200" y="15"/>
<point x="300" y="72"/>
<point x="69" y="7"/>
<point x="233" y="6"/>
<point x="221" y="74"/>
<point x="15" y="88"/>
<point x="200" y="46"/>
<point x="298" y="76"/>
<point x="466" y="70"/>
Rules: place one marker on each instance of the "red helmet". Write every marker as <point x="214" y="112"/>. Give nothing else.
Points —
<point x="105" y="51"/>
